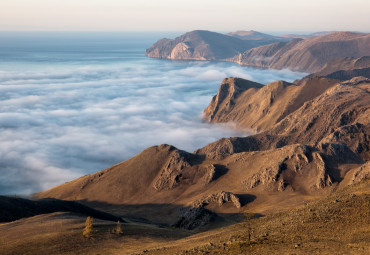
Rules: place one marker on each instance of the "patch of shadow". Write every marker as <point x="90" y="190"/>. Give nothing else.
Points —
<point x="14" y="208"/>
<point x="245" y="198"/>
<point x="220" y="171"/>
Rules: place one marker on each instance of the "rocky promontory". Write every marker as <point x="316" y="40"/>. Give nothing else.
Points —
<point x="251" y="48"/>
<point x="202" y="45"/>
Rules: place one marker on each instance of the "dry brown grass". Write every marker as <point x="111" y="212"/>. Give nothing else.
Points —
<point x="338" y="224"/>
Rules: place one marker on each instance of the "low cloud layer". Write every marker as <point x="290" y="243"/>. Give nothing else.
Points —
<point x="59" y="123"/>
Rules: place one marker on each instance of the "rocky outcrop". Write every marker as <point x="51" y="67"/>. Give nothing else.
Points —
<point x="196" y="215"/>
<point x="253" y="106"/>
<point x="218" y="198"/>
<point x="299" y="166"/>
<point x="338" y="106"/>
<point x="201" y="45"/>
<point x="229" y="91"/>
<point x="356" y="136"/>
<point x="171" y="173"/>
<point x="361" y="173"/>
<point x="308" y="55"/>
<point x="355" y="80"/>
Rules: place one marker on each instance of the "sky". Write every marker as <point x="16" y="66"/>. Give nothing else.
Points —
<point x="185" y="15"/>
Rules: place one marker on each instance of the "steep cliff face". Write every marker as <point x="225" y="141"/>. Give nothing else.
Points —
<point x="309" y="55"/>
<point x="257" y="107"/>
<point x="201" y="45"/>
<point x="229" y="91"/>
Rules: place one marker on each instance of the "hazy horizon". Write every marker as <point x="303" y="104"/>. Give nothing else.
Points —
<point x="143" y="16"/>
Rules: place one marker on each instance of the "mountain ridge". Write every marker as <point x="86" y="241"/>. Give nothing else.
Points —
<point x="251" y="48"/>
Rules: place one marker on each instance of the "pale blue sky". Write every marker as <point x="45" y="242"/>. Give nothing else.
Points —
<point x="174" y="15"/>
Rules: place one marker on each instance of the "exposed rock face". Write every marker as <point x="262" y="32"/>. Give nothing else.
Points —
<point x="171" y="174"/>
<point x="308" y="55"/>
<point x="338" y="106"/>
<point x="356" y="80"/>
<point x="356" y="136"/>
<point x="219" y="198"/>
<point x="258" y="107"/>
<point x="229" y="91"/>
<point x="361" y="173"/>
<point x="194" y="217"/>
<point x="201" y="45"/>
<point x="312" y="167"/>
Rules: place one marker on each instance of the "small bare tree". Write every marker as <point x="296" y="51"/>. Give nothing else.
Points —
<point x="248" y="217"/>
<point x="88" y="230"/>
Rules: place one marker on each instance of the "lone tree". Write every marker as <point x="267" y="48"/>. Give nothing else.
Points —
<point x="88" y="230"/>
<point x="119" y="230"/>
<point x="248" y="217"/>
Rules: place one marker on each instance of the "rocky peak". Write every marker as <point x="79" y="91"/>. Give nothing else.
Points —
<point x="229" y="90"/>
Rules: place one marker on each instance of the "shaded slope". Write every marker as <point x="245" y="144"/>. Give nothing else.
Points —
<point x="12" y="208"/>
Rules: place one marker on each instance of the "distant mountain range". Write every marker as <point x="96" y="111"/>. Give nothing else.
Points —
<point x="299" y="53"/>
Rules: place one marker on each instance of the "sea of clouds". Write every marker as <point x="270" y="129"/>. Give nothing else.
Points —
<point x="57" y="124"/>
